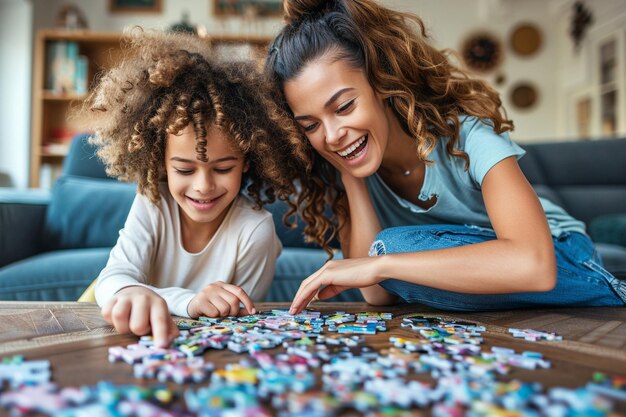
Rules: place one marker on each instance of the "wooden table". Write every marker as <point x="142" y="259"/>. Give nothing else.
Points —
<point x="75" y="339"/>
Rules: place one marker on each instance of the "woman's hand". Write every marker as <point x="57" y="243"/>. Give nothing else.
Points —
<point x="220" y="300"/>
<point x="335" y="277"/>
<point x="139" y="310"/>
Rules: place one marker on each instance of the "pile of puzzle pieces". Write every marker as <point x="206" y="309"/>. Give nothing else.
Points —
<point x="312" y="365"/>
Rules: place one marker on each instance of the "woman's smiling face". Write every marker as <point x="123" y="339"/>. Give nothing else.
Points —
<point x="342" y="116"/>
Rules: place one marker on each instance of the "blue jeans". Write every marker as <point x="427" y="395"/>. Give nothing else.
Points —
<point x="581" y="279"/>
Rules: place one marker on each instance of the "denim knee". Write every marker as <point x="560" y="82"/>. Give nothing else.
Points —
<point x="403" y="239"/>
<point x="581" y="281"/>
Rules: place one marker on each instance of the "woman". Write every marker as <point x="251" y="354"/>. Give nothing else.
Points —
<point x="417" y="143"/>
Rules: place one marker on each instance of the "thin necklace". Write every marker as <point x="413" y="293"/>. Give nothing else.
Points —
<point x="404" y="173"/>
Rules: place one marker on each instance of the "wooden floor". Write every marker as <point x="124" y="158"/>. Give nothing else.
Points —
<point x="75" y="339"/>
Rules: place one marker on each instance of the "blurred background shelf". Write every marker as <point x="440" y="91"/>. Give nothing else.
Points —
<point x="59" y="84"/>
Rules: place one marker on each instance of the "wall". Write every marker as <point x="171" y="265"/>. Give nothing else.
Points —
<point x="448" y="31"/>
<point x="451" y="21"/>
<point x="577" y="71"/>
<point x="15" y="58"/>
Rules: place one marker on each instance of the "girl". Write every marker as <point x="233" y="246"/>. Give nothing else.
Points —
<point x="417" y="143"/>
<point x="192" y="133"/>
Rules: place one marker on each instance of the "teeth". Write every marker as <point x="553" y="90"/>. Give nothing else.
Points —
<point x="202" y="201"/>
<point x="351" y="148"/>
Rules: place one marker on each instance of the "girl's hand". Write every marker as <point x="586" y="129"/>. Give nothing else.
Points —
<point x="335" y="277"/>
<point x="139" y="310"/>
<point x="220" y="300"/>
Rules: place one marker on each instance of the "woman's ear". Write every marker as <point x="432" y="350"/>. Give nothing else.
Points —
<point x="246" y="166"/>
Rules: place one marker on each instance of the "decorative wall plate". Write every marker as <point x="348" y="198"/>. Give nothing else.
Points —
<point x="524" y="95"/>
<point x="525" y="39"/>
<point x="482" y="52"/>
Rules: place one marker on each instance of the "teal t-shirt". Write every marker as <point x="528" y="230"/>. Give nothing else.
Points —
<point x="458" y="192"/>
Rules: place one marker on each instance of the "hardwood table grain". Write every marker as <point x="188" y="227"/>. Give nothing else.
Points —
<point x="75" y="338"/>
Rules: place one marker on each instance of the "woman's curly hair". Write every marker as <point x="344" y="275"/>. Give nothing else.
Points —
<point x="165" y="82"/>
<point x="428" y="93"/>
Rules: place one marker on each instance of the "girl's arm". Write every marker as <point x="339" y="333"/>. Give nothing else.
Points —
<point x="256" y="260"/>
<point x="130" y="259"/>
<point x="254" y="257"/>
<point x="520" y="259"/>
<point x="127" y="303"/>
<point x="134" y="255"/>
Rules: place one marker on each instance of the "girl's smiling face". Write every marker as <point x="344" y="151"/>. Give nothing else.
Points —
<point x="203" y="190"/>
<point x="345" y="120"/>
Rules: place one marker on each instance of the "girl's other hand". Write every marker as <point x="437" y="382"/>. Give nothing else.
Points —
<point x="220" y="300"/>
<point x="335" y="277"/>
<point x="139" y="310"/>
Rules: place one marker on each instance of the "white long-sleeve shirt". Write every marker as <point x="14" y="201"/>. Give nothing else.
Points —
<point x="149" y="252"/>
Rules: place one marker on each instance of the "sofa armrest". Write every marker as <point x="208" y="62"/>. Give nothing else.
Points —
<point x="22" y="215"/>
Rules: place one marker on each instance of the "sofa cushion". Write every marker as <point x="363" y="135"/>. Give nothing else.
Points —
<point x="610" y="228"/>
<point x="86" y="213"/>
<point x="585" y="203"/>
<point x="588" y="163"/>
<point x="294" y="238"/>
<point x="296" y="264"/>
<point x="546" y="192"/>
<point x="81" y="160"/>
<point x="58" y="275"/>
<point x="531" y="166"/>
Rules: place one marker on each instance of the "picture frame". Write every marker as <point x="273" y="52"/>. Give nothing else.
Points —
<point x="135" y="6"/>
<point x="247" y="8"/>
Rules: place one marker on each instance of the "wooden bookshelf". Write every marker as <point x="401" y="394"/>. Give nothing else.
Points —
<point x="102" y="49"/>
<point x="50" y="108"/>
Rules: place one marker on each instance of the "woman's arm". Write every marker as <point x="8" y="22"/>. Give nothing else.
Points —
<point x="356" y="237"/>
<point x="363" y="228"/>
<point x="520" y="259"/>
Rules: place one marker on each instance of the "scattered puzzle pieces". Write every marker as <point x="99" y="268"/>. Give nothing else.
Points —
<point x="281" y="355"/>
<point x="534" y="335"/>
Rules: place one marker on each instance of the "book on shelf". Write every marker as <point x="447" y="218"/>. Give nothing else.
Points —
<point x="82" y="70"/>
<point x="58" y="141"/>
<point x="66" y="69"/>
<point x="56" y="148"/>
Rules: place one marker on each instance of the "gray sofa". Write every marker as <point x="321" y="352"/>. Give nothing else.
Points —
<point x="53" y="244"/>
<point x="587" y="179"/>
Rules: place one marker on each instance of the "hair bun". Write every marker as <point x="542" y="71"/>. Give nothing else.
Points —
<point x="296" y="10"/>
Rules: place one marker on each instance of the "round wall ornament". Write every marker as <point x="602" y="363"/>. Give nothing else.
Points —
<point x="525" y="39"/>
<point x="524" y="95"/>
<point x="482" y="52"/>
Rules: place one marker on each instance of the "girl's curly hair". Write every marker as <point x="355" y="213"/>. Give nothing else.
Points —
<point x="165" y="82"/>
<point x="428" y="92"/>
